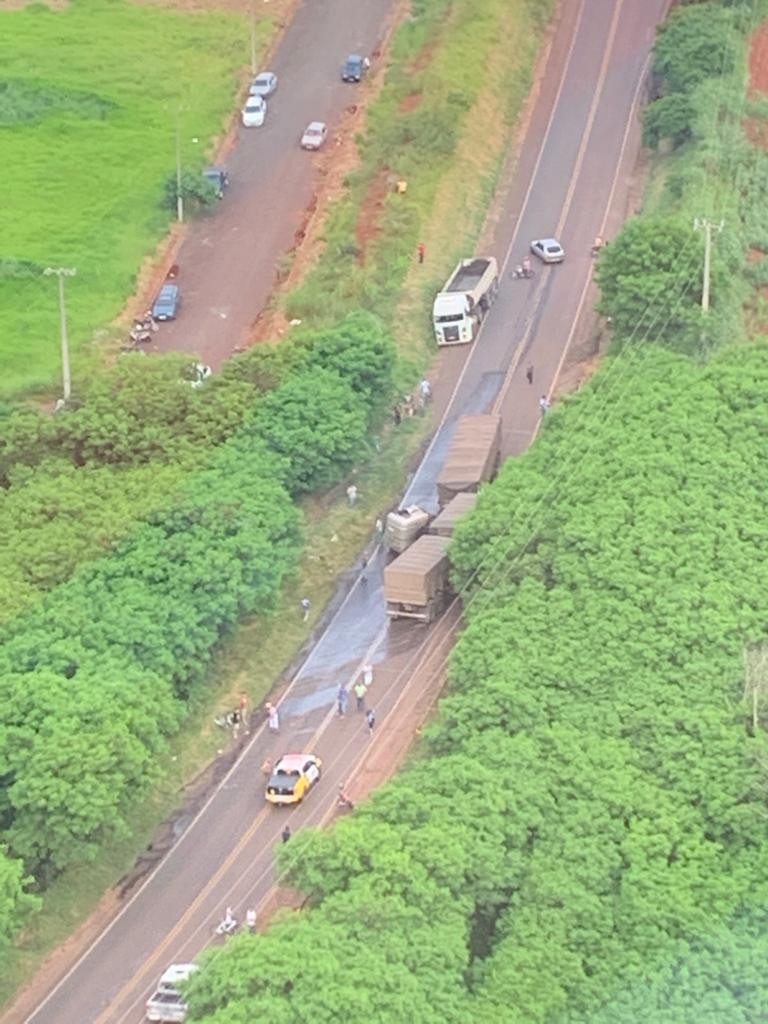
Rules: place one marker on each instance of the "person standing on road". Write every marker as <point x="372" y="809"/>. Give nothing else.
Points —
<point x="370" y="720"/>
<point x="273" y="718"/>
<point x="306" y="604"/>
<point x="342" y="696"/>
<point x="360" y="689"/>
<point x="529" y="373"/>
<point x="544" y="404"/>
<point x="285" y="835"/>
<point x="367" y="675"/>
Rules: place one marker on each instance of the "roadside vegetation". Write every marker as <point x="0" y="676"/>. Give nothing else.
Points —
<point x="89" y="98"/>
<point x="582" y="837"/>
<point x="164" y="513"/>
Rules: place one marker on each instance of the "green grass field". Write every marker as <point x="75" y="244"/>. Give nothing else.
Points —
<point x="89" y="97"/>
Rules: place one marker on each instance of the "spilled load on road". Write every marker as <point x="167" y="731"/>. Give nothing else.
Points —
<point x="465" y="298"/>
<point x="473" y="457"/>
<point x="167" y="1003"/>
<point x="444" y="524"/>
<point x="404" y="526"/>
<point x="416" y="584"/>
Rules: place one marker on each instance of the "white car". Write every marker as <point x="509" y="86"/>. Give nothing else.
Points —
<point x="254" y="112"/>
<point x="263" y="85"/>
<point x="314" y="135"/>
<point x="548" y="250"/>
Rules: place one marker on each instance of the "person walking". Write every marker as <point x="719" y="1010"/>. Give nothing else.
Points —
<point x="360" y="690"/>
<point x="544" y="404"/>
<point x="342" y="697"/>
<point x="529" y="373"/>
<point x="286" y="833"/>
<point x="273" y="718"/>
<point x="425" y="389"/>
<point x="421" y="251"/>
<point x="306" y="604"/>
<point x="266" y="769"/>
<point x="370" y="720"/>
<point x="352" y="495"/>
<point x="367" y="675"/>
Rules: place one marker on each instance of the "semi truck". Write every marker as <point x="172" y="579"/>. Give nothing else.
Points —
<point x="473" y="457"/>
<point x="167" y="1003"/>
<point x="444" y="524"/>
<point x="416" y="583"/>
<point x="464" y="300"/>
<point x="404" y="526"/>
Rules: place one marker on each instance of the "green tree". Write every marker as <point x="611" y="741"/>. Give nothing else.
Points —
<point x="696" y="43"/>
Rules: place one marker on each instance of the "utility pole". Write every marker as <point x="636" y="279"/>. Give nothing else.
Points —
<point x="253" y="38"/>
<point x="179" y="197"/>
<point x="707" y="226"/>
<point x="61" y="273"/>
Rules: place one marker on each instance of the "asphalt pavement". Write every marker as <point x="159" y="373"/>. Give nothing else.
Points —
<point x="570" y="181"/>
<point x="227" y="262"/>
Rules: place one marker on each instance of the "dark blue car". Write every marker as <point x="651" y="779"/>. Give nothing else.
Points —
<point x="354" y="68"/>
<point x="167" y="303"/>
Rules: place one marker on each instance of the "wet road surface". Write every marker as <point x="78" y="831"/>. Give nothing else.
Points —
<point x="570" y="182"/>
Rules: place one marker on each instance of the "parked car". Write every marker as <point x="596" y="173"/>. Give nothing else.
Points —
<point x="292" y="778"/>
<point x="167" y="303"/>
<point x="314" y="135"/>
<point x="254" y="112"/>
<point x="548" y="250"/>
<point x="263" y="84"/>
<point x="218" y="178"/>
<point x="354" y="68"/>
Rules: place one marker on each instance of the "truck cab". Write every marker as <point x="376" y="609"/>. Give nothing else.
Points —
<point x="453" y="320"/>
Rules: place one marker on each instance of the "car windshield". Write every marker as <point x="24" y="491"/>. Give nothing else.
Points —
<point x="314" y="131"/>
<point x="553" y="248"/>
<point x="254" y="104"/>
<point x="282" y="784"/>
<point x="263" y="80"/>
<point x="449" y="318"/>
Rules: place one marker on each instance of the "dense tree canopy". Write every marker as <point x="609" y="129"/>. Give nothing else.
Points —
<point x="587" y="834"/>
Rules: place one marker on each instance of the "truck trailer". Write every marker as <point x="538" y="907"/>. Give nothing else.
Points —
<point x="473" y="457"/>
<point x="416" y="584"/>
<point x="465" y="298"/>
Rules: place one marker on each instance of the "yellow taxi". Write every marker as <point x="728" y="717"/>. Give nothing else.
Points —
<point x="292" y="778"/>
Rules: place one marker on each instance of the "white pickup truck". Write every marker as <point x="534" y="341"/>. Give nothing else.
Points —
<point x="167" y="1003"/>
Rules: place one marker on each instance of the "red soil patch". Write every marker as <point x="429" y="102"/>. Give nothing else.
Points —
<point x="411" y="101"/>
<point x="367" y="228"/>
<point x="758" y="62"/>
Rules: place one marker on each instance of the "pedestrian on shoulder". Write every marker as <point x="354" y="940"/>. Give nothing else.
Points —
<point x="286" y="833"/>
<point x="370" y="720"/>
<point x="360" y="689"/>
<point x="273" y="718"/>
<point x="342" y="697"/>
<point x="529" y="373"/>
<point x="306" y="604"/>
<point x="244" y="708"/>
<point x="544" y="404"/>
<point x="421" y="251"/>
<point x="250" y="920"/>
<point x="379" y="529"/>
<point x="367" y="675"/>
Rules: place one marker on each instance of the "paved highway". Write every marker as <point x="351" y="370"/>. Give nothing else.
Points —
<point x="570" y="181"/>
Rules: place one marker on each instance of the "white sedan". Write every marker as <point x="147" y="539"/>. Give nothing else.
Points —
<point x="264" y="84"/>
<point x="314" y="135"/>
<point x="254" y="112"/>
<point x="548" y="250"/>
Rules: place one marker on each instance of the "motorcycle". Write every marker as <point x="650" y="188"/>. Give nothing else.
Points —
<point x="522" y="272"/>
<point x="140" y="336"/>
<point x="228" y="924"/>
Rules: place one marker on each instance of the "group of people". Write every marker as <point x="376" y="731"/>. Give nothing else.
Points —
<point x="411" y="404"/>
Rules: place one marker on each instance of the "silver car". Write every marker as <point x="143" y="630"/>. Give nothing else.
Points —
<point x="314" y="135"/>
<point x="548" y="250"/>
<point x="263" y="84"/>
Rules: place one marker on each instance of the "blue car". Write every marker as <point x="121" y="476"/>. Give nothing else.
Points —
<point x="354" y="68"/>
<point x="167" y="303"/>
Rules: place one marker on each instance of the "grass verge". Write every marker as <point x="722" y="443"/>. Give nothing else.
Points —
<point x="90" y="96"/>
